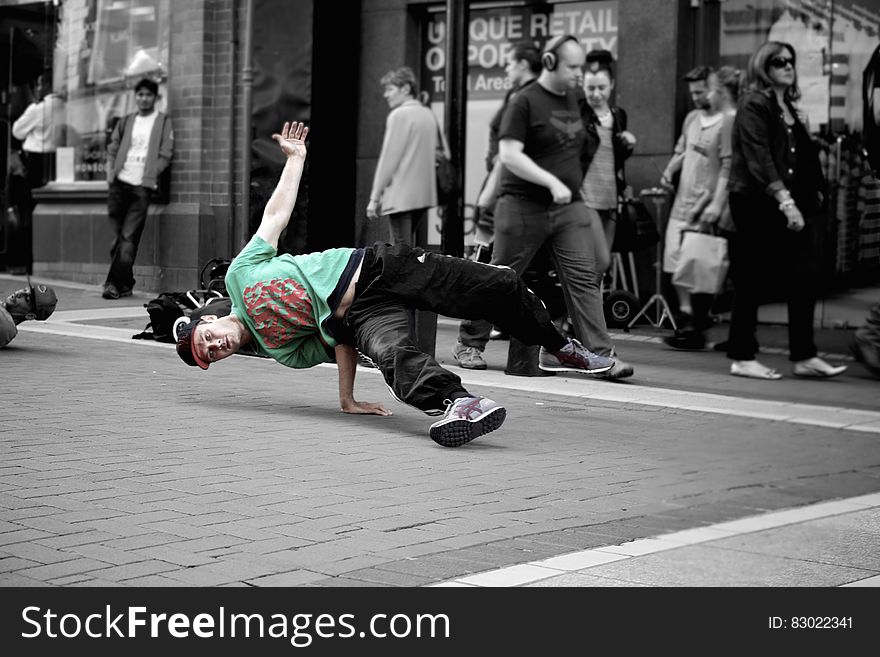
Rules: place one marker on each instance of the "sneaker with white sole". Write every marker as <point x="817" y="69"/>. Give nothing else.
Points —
<point x="574" y="357"/>
<point x="470" y="358"/>
<point x="467" y="418"/>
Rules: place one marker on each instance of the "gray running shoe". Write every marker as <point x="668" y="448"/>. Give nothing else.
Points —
<point x="467" y="418"/>
<point x="574" y="357"/>
<point x="470" y="358"/>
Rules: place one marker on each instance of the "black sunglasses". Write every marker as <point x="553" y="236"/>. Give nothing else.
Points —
<point x="781" y="62"/>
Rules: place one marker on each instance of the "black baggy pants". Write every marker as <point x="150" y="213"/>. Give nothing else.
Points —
<point x="394" y="280"/>
<point x="768" y="259"/>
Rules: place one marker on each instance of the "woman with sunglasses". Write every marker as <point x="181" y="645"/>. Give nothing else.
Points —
<point x="777" y="205"/>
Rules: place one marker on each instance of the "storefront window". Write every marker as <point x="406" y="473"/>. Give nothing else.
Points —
<point x="834" y="41"/>
<point x="491" y="34"/>
<point x="104" y="47"/>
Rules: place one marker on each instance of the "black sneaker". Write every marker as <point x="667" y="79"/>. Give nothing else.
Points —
<point x="686" y="341"/>
<point x="866" y="353"/>
<point x="467" y="418"/>
<point x="110" y="291"/>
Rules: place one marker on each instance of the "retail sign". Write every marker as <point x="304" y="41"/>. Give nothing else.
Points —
<point x="493" y="32"/>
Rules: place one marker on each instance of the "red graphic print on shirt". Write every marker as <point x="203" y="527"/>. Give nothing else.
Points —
<point x="280" y="308"/>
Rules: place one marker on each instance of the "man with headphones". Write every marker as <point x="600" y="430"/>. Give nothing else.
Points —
<point x="541" y="142"/>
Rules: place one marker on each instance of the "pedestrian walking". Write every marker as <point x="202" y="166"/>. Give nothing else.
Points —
<point x="542" y="142"/>
<point x="777" y="201"/>
<point x="696" y="159"/>
<point x="308" y="309"/>
<point x="610" y="144"/>
<point x="701" y="199"/>
<point x="523" y="68"/>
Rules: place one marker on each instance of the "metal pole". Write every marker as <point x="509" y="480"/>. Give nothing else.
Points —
<point x="455" y="101"/>
<point x="230" y="191"/>
<point x="247" y="80"/>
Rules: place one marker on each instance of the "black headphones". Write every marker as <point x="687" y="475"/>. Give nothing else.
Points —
<point x="549" y="58"/>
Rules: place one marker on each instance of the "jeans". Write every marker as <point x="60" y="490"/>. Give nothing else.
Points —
<point x="127" y="207"/>
<point x="521" y="228"/>
<point x="395" y="279"/>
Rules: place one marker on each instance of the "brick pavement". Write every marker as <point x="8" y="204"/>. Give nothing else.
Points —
<point x="123" y="467"/>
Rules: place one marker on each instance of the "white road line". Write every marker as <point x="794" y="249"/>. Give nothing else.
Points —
<point x="574" y="386"/>
<point x="583" y="560"/>
<point x="125" y="312"/>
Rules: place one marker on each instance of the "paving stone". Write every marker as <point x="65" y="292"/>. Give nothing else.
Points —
<point x="345" y="494"/>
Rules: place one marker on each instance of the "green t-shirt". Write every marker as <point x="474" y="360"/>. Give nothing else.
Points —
<point x="282" y="299"/>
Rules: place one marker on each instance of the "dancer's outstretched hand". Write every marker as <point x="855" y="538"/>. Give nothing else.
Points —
<point x="292" y="139"/>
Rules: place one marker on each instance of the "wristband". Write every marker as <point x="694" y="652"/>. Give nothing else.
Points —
<point x="787" y="204"/>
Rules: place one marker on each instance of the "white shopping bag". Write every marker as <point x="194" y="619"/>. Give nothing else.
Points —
<point x="702" y="263"/>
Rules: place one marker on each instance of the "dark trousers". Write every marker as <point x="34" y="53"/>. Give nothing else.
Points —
<point x="410" y="227"/>
<point x="768" y="260"/>
<point x="522" y="227"/>
<point x="127" y="207"/>
<point x="395" y="279"/>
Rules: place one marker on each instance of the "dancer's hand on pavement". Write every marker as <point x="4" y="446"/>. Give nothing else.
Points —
<point x="365" y="408"/>
<point x="292" y="139"/>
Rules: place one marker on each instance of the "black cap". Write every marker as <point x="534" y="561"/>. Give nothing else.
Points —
<point x="186" y="348"/>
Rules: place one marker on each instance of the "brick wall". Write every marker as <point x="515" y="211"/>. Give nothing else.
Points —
<point x="71" y="235"/>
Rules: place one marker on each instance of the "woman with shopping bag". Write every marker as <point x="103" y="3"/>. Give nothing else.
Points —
<point x="701" y="265"/>
<point x="777" y="204"/>
<point x="702" y="262"/>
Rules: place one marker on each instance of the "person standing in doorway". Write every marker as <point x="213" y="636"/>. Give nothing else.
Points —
<point x="40" y="127"/>
<point x="41" y="131"/>
<point x="405" y="183"/>
<point x="140" y="149"/>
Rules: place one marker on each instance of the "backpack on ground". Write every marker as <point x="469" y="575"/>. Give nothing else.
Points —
<point x="167" y="308"/>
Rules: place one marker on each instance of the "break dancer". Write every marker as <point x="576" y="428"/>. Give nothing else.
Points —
<point x="307" y="309"/>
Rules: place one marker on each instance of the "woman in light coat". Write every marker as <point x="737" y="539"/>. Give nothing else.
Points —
<point x="404" y="185"/>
